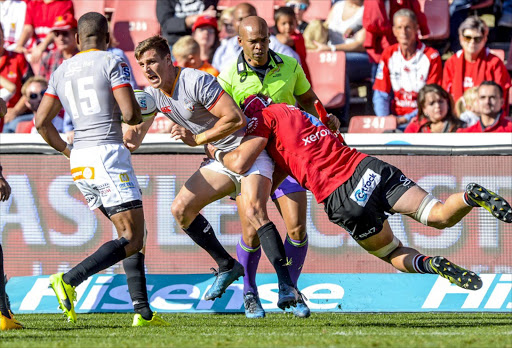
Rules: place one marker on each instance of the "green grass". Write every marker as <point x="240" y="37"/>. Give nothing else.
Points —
<point x="277" y="330"/>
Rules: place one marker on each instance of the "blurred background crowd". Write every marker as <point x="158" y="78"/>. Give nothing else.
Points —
<point x="393" y="65"/>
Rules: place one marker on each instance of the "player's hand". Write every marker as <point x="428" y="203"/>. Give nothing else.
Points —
<point x="181" y="133"/>
<point x="334" y="123"/>
<point x="5" y="189"/>
<point x="209" y="150"/>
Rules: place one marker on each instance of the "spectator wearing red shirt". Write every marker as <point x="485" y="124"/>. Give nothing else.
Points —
<point x="473" y="64"/>
<point x="41" y="14"/>
<point x="492" y="117"/>
<point x="14" y="70"/>
<point x="64" y="30"/>
<point x="404" y="69"/>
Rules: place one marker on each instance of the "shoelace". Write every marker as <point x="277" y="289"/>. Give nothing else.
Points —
<point x="214" y="271"/>
<point x="302" y="297"/>
<point x="251" y="304"/>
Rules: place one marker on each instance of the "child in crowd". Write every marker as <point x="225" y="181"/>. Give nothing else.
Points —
<point x="466" y="107"/>
<point x="187" y="54"/>
<point x="435" y="112"/>
<point x="287" y="33"/>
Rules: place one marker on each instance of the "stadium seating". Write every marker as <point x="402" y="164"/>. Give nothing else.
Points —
<point x="84" y="6"/>
<point x="134" y="21"/>
<point x="499" y="53"/>
<point x="438" y="18"/>
<point x="328" y="77"/>
<point x="509" y="57"/>
<point x="265" y="8"/>
<point x="24" y="127"/>
<point x="160" y="123"/>
<point x="371" y="124"/>
<point x="318" y="9"/>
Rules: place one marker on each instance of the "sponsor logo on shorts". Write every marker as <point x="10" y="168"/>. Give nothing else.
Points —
<point x="207" y="228"/>
<point x="80" y="173"/>
<point x="366" y="234"/>
<point x="126" y="185"/>
<point x="406" y="182"/>
<point x="89" y="198"/>
<point x="124" y="177"/>
<point x="310" y="139"/>
<point x="365" y="187"/>
<point x="104" y="189"/>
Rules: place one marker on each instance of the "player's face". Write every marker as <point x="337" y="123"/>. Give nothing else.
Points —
<point x="254" y="42"/>
<point x="286" y="24"/>
<point x="489" y="100"/>
<point x="405" y="30"/>
<point x="436" y="107"/>
<point x="158" y="70"/>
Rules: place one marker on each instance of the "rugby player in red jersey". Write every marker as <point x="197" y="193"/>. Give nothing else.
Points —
<point x="357" y="190"/>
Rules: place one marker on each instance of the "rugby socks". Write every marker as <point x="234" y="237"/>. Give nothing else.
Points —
<point x="296" y="251"/>
<point x="469" y="201"/>
<point x="421" y="264"/>
<point x="203" y="235"/>
<point x="273" y="247"/>
<point x="136" y="279"/>
<point x="107" y="255"/>
<point x="4" y="308"/>
<point x="249" y="258"/>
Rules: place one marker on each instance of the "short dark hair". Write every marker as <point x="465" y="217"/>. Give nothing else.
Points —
<point x="93" y="24"/>
<point x="283" y="11"/>
<point x="494" y="84"/>
<point x="157" y="43"/>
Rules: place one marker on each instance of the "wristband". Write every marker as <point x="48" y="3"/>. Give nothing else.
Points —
<point x="200" y="138"/>
<point x="217" y="154"/>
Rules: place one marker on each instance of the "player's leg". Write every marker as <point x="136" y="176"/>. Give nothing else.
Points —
<point x="291" y="201"/>
<point x="7" y="320"/>
<point x="255" y="192"/>
<point x="204" y="187"/>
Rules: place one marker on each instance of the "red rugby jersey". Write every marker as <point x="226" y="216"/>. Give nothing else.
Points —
<point x="305" y="148"/>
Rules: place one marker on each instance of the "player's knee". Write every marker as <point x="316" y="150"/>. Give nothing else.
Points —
<point x="297" y="232"/>
<point x="426" y="211"/>
<point x="386" y="251"/>
<point x="441" y="224"/>
<point x="178" y="210"/>
<point x="254" y="212"/>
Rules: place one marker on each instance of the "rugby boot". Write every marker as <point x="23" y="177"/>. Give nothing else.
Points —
<point x="455" y="274"/>
<point x="288" y="296"/>
<point x="9" y="323"/>
<point x="223" y="280"/>
<point x="156" y="320"/>
<point x="252" y="305"/>
<point x="66" y="295"/>
<point x="301" y="309"/>
<point x="490" y="201"/>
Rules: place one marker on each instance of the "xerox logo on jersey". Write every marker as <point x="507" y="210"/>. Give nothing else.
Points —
<point x="310" y="139"/>
<point x="365" y="187"/>
<point x="252" y="125"/>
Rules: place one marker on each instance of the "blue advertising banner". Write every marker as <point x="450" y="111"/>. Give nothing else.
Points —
<point x="324" y="293"/>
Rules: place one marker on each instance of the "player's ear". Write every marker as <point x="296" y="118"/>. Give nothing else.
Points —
<point x="77" y="39"/>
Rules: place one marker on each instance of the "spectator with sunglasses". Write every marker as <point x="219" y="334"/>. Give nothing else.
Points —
<point x="299" y="6"/>
<point x="33" y="91"/>
<point x="473" y="64"/>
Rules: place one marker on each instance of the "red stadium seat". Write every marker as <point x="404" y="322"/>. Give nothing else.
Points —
<point x="24" y="127"/>
<point x="134" y="21"/>
<point x="265" y="8"/>
<point x="371" y="124"/>
<point x="438" y="18"/>
<point x="84" y="6"/>
<point x="318" y="9"/>
<point x="509" y="57"/>
<point x="328" y="77"/>
<point x="160" y="124"/>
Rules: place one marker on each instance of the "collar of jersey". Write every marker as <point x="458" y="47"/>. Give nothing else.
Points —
<point x="89" y="50"/>
<point x="173" y="85"/>
<point x="241" y="64"/>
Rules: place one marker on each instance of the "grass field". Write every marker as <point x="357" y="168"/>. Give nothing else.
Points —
<point x="277" y="330"/>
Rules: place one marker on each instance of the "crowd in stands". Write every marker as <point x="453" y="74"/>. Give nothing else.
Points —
<point x="456" y="84"/>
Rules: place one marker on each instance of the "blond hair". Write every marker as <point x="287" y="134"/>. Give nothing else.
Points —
<point x="185" y="47"/>
<point x="468" y="98"/>
<point x="34" y="79"/>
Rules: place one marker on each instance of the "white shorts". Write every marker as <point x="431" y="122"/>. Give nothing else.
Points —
<point x="264" y="165"/>
<point x="105" y="176"/>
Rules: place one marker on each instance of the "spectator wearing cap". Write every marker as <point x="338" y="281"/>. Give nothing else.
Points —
<point x="14" y="70"/>
<point x="205" y="32"/>
<point x="404" y="69"/>
<point x="64" y="30"/>
<point x="229" y="51"/>
<point x="187" y="54"/>
<point x="12" y="19"/>
<point x="473" y="64"/>
<point x="39" y="20"/>
<point x="492" y="117"/>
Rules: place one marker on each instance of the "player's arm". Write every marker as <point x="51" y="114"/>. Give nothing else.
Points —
<point x="49" y="108"/>
<point x="133" y="135"/>
<point x="230" y="120"/>
<point x="130" y="109"/>
<point x="243" y="157"/>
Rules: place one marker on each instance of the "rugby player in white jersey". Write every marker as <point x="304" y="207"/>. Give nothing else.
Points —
<point x="203" y="113"/>
<point x="94" y="88"/>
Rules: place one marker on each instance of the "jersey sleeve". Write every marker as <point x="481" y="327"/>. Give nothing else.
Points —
<point x="223" y="80"/>
<point x="382" y="78"/>
<point x="51" y="90"/>
<point x="257" y="126"/>
<point x="120" y="73"/>
<point x="207" y="90"/>
<point x="302" y="84"/>
<point x="435" y="74"/>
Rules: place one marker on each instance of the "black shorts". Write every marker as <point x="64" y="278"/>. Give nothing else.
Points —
<point x="361" y="203"/>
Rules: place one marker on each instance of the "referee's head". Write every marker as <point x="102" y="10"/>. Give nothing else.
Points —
<point x="93" y="32"/>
